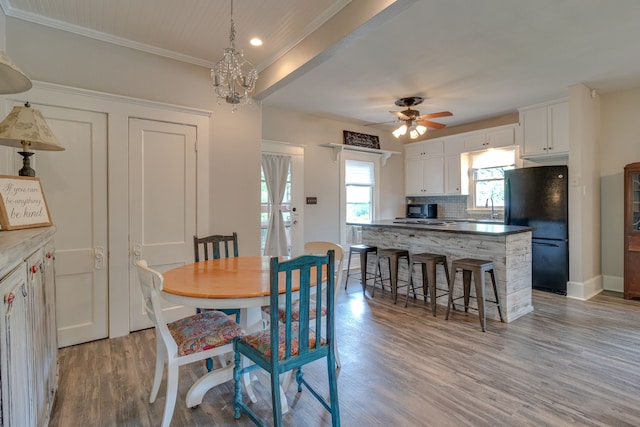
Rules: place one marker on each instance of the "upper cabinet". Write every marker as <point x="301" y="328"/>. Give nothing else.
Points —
<point x="501" y="136"/>
<point x="545" y="129"/>
<point x="424" y="168"/>
<point x="453" y="184"/>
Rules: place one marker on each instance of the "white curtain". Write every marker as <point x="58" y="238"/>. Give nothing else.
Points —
<point x="275" y="170"/>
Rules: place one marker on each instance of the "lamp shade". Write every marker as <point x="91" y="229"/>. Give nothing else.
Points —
<point x="25" y="127"/>
<point x="12" y="79"/>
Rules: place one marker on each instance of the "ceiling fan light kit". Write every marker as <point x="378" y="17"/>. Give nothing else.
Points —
<point x="402" y="130"/>
<point x="413" y="122"/>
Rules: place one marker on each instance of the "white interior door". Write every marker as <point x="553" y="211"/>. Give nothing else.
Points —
<point x="162" y="204"/>
<point x="75" y="186"/>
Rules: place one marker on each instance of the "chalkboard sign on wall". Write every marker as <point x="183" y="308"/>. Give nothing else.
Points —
<point x="361" y="139"/>
<point x="22" y="203"/>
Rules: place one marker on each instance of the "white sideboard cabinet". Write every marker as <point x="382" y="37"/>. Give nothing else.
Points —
<point x="28" y="340"/>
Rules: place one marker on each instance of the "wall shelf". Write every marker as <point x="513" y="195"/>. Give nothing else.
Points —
<point x="337" y="148"/>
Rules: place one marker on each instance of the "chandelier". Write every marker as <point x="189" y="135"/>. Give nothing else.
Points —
<point x="234" y="78"/>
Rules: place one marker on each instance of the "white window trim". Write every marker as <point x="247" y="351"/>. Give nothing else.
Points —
<point x="367" y="157"/>
<point x="471" y="208"/>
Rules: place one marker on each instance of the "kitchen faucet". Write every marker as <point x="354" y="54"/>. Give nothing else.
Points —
<point x="493" y="211"/>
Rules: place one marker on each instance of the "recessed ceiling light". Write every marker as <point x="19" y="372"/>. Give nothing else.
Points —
<point x="255" y="42"/>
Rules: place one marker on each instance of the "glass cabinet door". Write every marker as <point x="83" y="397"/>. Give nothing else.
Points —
<point x="635" y="204"/>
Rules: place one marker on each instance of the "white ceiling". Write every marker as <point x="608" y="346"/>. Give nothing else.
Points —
<point x="476" y="58"/>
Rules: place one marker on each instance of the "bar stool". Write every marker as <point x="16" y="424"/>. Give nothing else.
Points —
<point x="428" y="263"/>
<point x="363" y="251"/>
<point x="477" y="268"/>
<point x="393" y="258"/>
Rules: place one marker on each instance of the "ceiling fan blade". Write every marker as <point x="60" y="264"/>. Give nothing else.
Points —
<point x="381" y="123"/>
<point x="434" y="115"/>
<point x="400" y="115"/>
<point x="430" y="124"/>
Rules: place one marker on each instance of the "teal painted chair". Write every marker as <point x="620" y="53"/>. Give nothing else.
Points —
<point x="214" y="245"/>
<point x="289" y="344"/>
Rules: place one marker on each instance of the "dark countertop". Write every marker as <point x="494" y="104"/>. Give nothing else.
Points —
<point x="450" y="226"/>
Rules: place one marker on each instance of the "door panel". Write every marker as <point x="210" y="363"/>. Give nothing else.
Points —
<point x="75" y="185"/>
<point x="162" y="204"/>
<point x="550" y="265"/>
<point x="295" y="226"/>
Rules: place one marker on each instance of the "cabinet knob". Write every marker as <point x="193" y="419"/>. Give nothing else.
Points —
<point x="8" y="298"/>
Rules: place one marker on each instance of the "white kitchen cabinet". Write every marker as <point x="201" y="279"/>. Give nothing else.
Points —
<point x="424" y="168"/>
<point x="28" y="350"/>
<point x="453" y="181"/>
<point x="453" y="147"/>
<point x="424" y="149"/>
<point x="500" y="136"/>
<point x="545" y="129"/>
<point x="15" y="372"/>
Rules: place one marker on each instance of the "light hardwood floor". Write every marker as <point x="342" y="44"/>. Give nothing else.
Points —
<point x="567" y="363"/>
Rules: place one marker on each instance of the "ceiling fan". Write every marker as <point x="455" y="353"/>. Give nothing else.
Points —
<point x="412" y="121"/>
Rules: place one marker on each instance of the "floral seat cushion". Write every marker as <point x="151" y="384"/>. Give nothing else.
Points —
<point x="261" y="341"/>
<point x="203" y="331"/>
<point x="295" y="311"/>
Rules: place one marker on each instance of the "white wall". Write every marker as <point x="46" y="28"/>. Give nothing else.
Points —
<point x="584" y="194"/>
<point x="620" y="146"/>
<point x="322" y="172"/>
<point x="55" y="56"/>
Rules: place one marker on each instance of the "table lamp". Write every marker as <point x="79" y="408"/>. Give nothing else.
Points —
<point x="12" y="79"/>
<point x="26" y="127"/>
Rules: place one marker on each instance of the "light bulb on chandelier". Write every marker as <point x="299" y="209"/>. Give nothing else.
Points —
<point x="234" y="78"/>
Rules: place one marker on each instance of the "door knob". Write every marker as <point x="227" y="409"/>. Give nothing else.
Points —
<point x="137" y="253"/>
<point x="98" y="257"/>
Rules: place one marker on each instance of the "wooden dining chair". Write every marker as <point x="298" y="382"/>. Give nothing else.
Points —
<point x="217" y="242"/>
<point x="191" y="339"/>
<point x="319" y="247"/>
<point x="214" y="245"/>
<point x="288" y="345"/>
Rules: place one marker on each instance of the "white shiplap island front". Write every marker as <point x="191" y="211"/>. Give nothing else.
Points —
<point x="509" y="247"/>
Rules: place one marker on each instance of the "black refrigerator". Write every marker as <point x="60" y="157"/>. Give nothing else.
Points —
<point x="538" y="196"/>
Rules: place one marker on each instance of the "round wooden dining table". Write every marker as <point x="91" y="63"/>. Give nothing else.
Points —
<point x="239" y="283"/>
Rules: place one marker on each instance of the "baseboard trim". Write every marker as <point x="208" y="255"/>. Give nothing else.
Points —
<point x="585" y="290"/>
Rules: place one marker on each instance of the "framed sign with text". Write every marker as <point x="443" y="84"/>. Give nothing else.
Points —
<point x="361" y="139"/>
<point x="22" y="203"/>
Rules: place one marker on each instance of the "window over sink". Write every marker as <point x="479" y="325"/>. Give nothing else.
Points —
<point x="486" y="178"/>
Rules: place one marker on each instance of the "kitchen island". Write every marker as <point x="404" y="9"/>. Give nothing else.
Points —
<point x="508" y="246"/>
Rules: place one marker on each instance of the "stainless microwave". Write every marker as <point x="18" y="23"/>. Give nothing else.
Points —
<point x="422" y="210"/>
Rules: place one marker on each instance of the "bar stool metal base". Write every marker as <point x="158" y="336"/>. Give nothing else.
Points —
<point x="363" y="251"/>
<point x="476" y="268"/>
<point x="429" y="262"/>
<point x="393" y="257"/>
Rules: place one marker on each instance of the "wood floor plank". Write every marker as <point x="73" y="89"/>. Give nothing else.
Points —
<point x="568" y="362"/>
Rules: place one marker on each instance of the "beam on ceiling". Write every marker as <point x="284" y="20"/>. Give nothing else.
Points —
<point x="353" y="21"/>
